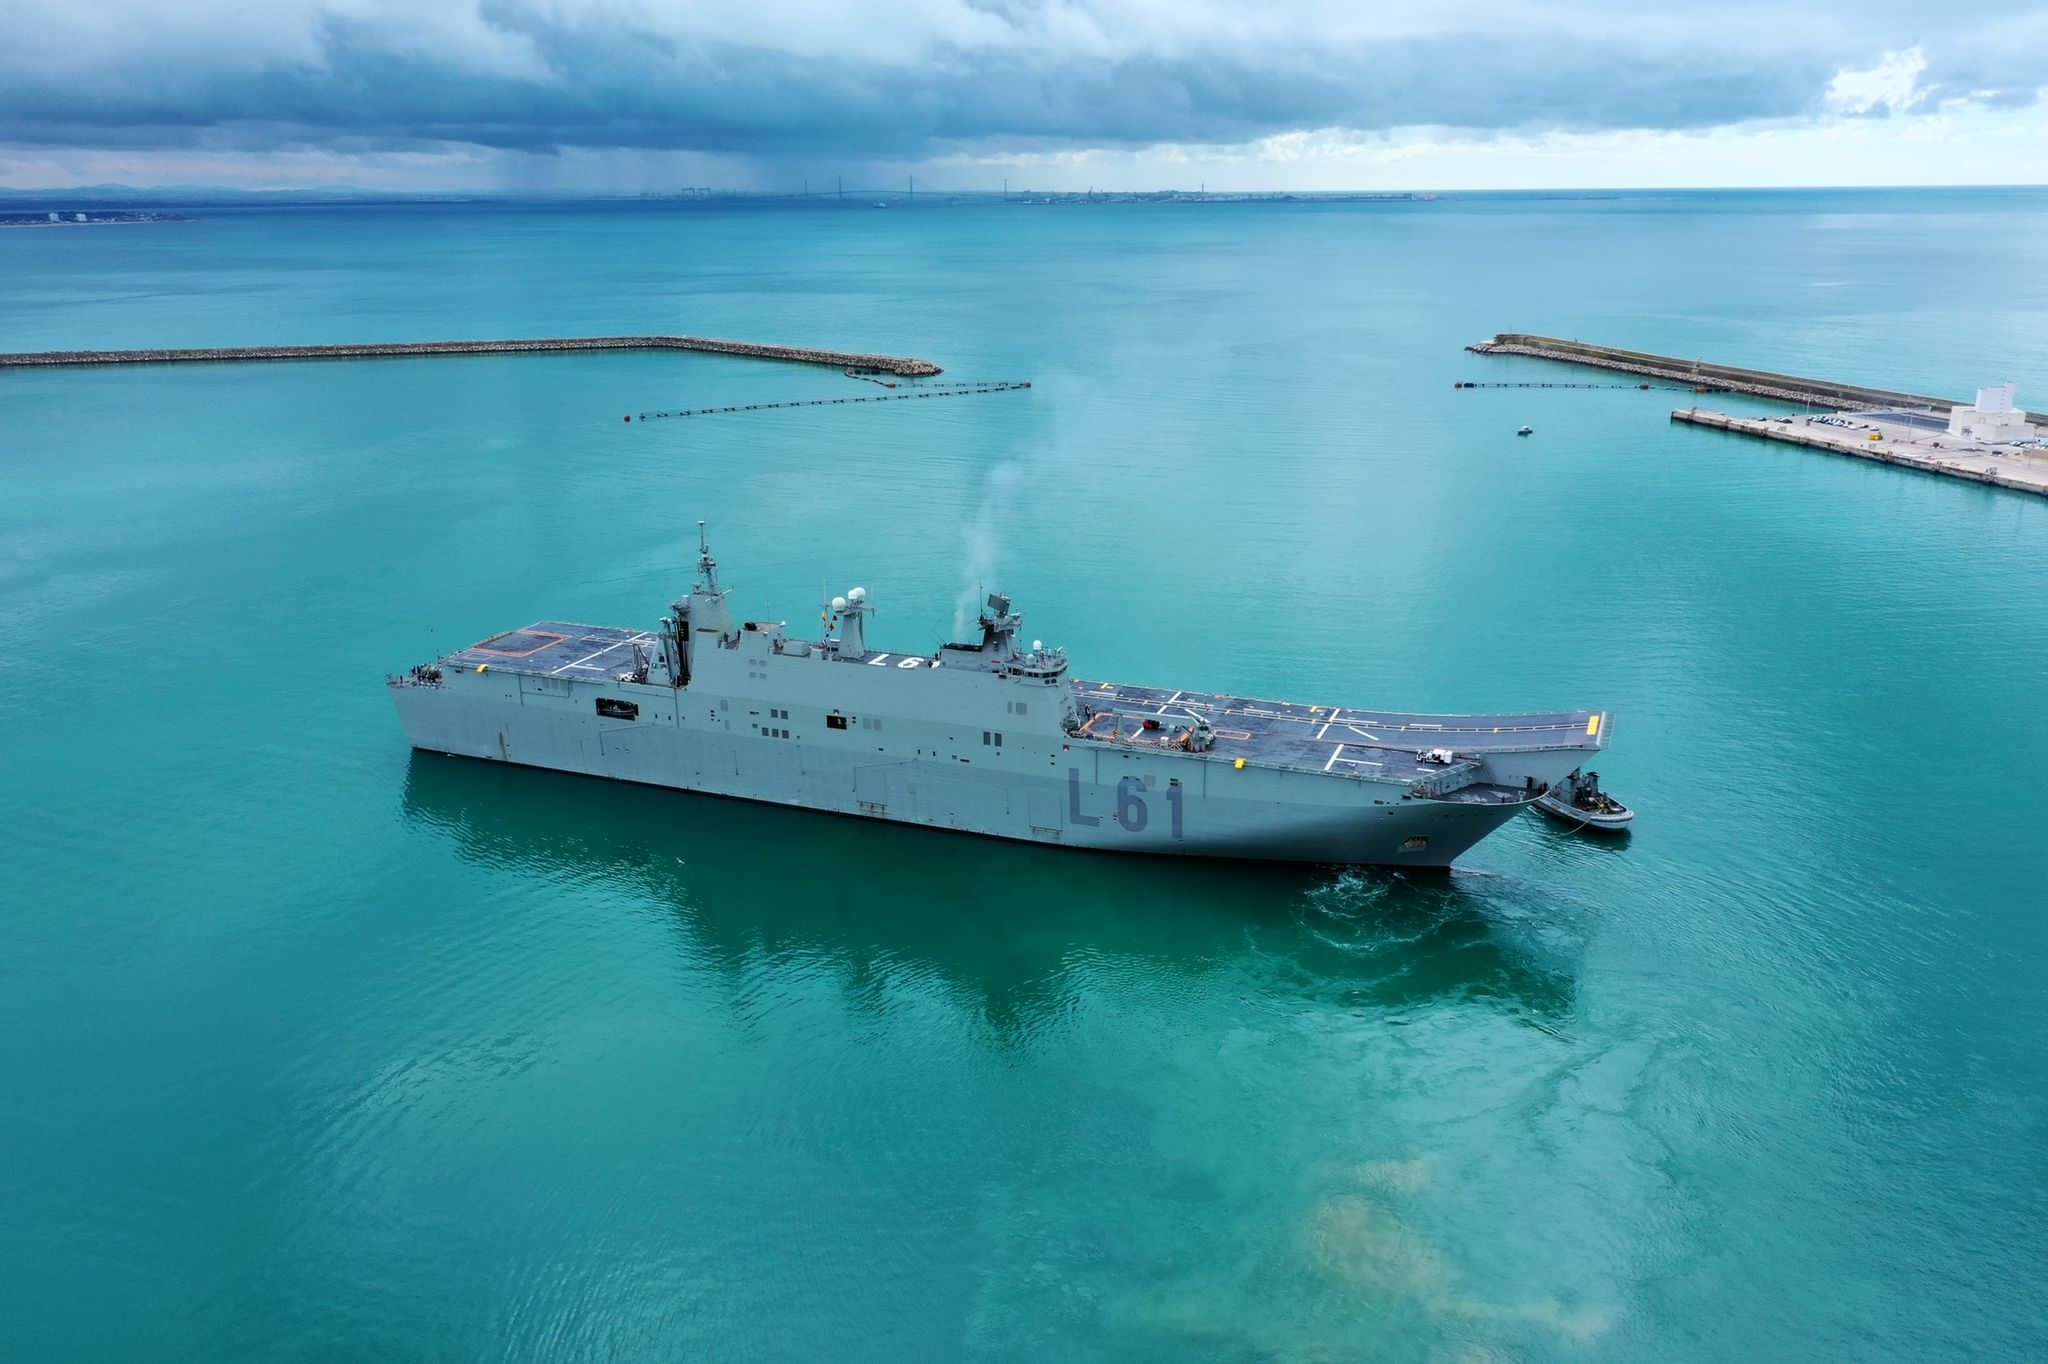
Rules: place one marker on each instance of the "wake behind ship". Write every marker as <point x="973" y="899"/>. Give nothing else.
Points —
<point x="988" y="738"/>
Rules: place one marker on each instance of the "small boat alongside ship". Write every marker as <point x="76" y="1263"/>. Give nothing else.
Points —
<point x="1579" y="802"/>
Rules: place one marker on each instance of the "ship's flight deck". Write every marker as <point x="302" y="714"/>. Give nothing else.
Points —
<point x="1332" y="738"/>
<point x="557" y="648"/>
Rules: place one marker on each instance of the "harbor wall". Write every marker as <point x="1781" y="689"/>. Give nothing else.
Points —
<point x="905" y="366"/>
<point x="2004" y="470"/>
<point x="1761" y="383"/>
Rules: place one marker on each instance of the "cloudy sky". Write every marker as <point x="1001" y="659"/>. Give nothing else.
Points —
<point x="571" y="95"/>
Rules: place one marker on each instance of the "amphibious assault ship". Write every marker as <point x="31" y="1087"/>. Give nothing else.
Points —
<point x="987" y="737"/>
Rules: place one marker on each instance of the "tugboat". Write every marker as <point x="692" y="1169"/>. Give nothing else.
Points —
<point x="1525" y="430"/>
<point x="1579" y="802"/>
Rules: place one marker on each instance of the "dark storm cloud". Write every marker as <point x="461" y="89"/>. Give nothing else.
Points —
<point x="936" y="76"/>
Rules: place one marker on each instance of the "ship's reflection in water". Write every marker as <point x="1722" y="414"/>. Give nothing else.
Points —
<point x="1003" y="926"/>
<point x="952" y="1094"/>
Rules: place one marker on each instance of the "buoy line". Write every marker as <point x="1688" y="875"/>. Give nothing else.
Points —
<point x="948" y="390"/>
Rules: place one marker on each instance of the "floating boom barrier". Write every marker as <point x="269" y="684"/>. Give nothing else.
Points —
<point x="948" y="390"/>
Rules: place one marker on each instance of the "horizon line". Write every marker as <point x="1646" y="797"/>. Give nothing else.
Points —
<point x="706" y="193"/>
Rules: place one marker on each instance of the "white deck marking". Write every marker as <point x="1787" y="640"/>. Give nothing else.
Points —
<point x="1334" y="753"/>
<point x="1326" y="728"/>
<point x="579" y="663"/>
<point x="1362" y="734"/>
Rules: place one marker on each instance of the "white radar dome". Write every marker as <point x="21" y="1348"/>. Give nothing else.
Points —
<point x="1037" y="646"/>
<point x="859" y="594"/>
<point x="839" y="603"/>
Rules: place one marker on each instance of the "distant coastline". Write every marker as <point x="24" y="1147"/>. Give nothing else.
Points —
<point x="93" y="218"/>
<point x="116" y="204"/>
<point x="1177" y="196"/>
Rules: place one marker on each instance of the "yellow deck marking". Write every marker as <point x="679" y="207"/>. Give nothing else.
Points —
<point x="1593" y="727"/>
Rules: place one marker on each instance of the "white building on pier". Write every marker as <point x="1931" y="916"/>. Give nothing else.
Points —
<point x="1992" y="418"/>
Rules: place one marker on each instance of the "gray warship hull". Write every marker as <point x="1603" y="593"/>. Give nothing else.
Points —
<point x="987" y="739"/>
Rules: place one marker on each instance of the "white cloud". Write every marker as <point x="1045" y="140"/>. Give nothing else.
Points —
<point x="1892" y="85"/>
<point x="1971" y="146"/>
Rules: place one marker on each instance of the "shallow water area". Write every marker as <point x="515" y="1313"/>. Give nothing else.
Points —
<point x="322" y="1049"/>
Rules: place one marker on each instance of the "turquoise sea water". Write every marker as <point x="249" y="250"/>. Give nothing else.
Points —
<point x="311" y="1049"/>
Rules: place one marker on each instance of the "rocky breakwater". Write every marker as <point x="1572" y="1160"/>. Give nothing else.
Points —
<point x="904" y="366"/>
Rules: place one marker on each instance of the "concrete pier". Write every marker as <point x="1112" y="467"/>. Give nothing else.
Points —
<point x="904" y="366"/>
<point x="1761" y="383"/>
<point x="1907" y="446"/>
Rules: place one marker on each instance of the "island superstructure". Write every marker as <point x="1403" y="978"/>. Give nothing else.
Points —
<point x="988" y="737"/>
